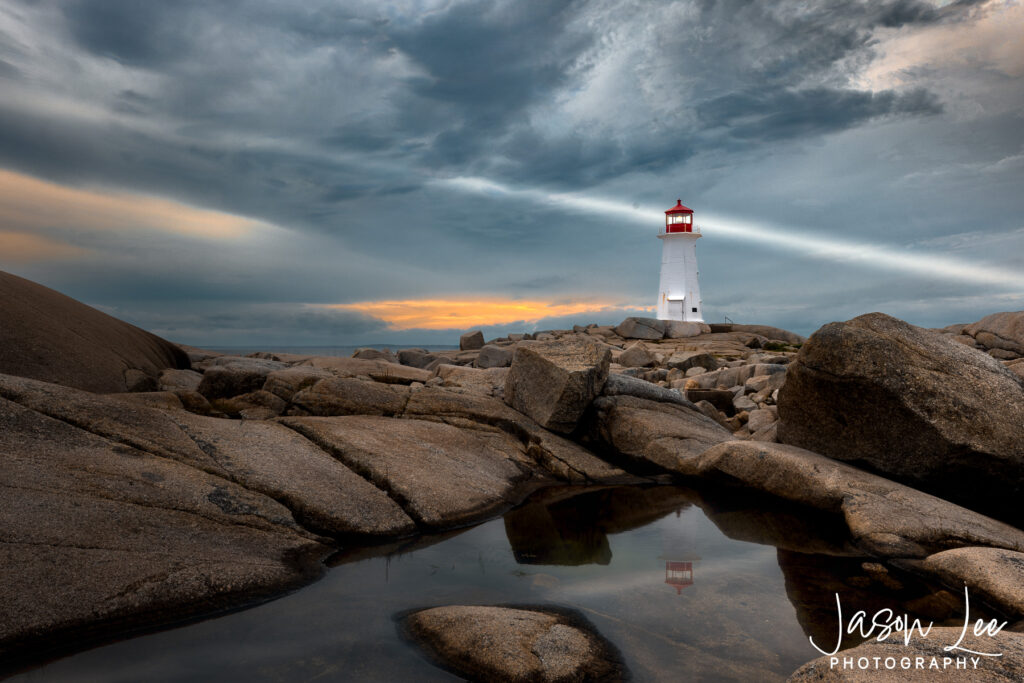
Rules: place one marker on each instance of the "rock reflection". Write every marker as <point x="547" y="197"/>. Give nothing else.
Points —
<point x="812" y="582"/>
<point x="568" y="528"/>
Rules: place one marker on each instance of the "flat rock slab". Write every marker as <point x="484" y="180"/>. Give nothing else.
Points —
<point x="324" y="495"/>
<point x="441" y="475"/>
<point x="139" y="426"/>
<point x="513" y="644"/>
<point x="662" y="434"/>
<point x="1005" y="669"/>
<point x="561" y="457"/>
<point x="885" y="519"/>
<point x="105" y="536"/>
<point x="357" y="367"/>
<point x="350" y="396"/>
<point x="263" y="457"/>
<point x="487" y="382"/>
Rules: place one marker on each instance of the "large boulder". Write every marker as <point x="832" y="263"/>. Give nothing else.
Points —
<point x="51" y="337"/>
<point x="911" y="404"/>
<point x="483" y="643"/>
<point x="641" y="328"/>
<point x="554" y="382"/>
<point x="1003" y="331"/>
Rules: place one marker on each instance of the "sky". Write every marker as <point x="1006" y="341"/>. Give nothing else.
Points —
<point x="255" y="173"/>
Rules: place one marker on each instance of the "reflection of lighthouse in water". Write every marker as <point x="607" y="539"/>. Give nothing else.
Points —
<point x="679" y="548"/>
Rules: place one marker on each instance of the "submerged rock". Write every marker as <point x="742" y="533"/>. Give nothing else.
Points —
<point x="911" y="404"/>
<point x="514" y="644"/>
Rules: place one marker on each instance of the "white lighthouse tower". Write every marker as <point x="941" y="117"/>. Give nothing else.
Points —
<point x="679" y="291"/>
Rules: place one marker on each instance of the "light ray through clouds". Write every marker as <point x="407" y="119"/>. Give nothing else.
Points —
<point x="877" y="256"/>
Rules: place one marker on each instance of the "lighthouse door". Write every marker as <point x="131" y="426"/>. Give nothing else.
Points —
<point x="675" y="309"/>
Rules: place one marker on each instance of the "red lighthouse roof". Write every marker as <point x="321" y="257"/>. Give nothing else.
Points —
<point x="679" y="208"/>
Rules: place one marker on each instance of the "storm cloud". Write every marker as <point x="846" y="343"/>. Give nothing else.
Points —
<point x="337" y="125"/>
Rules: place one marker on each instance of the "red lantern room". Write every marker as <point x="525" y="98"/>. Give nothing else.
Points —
<point x="679" y="218"/>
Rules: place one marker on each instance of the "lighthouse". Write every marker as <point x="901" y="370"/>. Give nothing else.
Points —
<point x="679" y="291"/>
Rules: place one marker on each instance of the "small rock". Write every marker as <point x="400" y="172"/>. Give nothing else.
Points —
<point x="494" y="357"/>
<point x="743" y="403"/>
<point x="375" y="354"/>
<point x="471" y="341"/>
<point x="686" y="360"/>
<point x="759" y="419"/>
<point x="179" y="380"/>
<point x="636" y="355"/>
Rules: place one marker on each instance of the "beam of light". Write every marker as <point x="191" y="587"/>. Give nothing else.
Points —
<point x="447" y="314"/>
<point x="869" y="255"/>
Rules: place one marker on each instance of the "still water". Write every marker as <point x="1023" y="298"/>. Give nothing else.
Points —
<point x="650" y="568"/>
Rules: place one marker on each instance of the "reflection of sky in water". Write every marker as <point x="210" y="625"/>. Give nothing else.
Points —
<point x="733" y="623"/>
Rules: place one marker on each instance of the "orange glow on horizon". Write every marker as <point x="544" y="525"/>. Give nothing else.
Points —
<point x="27" y="203"/>
<point x="446" y="314"/>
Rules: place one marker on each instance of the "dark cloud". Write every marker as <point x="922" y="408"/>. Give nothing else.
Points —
<point x="766" y="116"/>
<point x="135" y="33"/>
<point x="336" y="121"/>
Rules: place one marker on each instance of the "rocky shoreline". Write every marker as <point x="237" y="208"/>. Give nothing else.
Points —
<point x="146" y="483"/>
